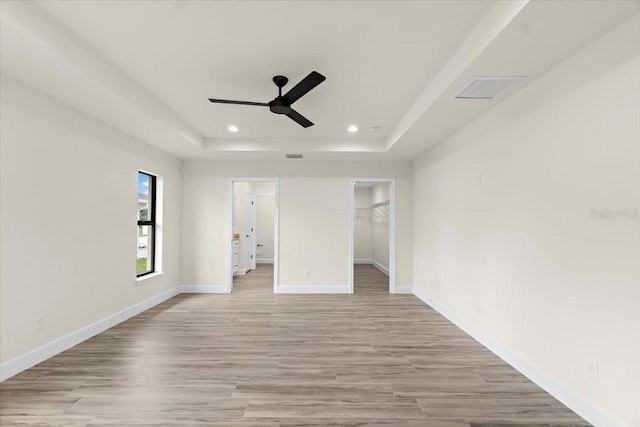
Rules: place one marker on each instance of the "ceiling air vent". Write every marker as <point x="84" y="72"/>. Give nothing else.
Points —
<point x="487" y="87"/>
<point x="294" y="156"/>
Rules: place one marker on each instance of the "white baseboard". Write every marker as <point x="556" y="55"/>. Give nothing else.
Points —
<point x="404" y="290"/>
<point x="240" y="272"/>
<point x="203" y="289"/>
<point x="306" y="289"/>
<point x="568" y="397"/>
<point x="264" y="260"/>
<point x="582" y="407"/>
<point x="373" y="262"/>
<point x="42" y="353"/>
<point x="31" y="358"/>
<point x="380" y="267"/>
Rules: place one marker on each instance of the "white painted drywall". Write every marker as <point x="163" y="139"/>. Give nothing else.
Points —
<point x="362" y="232"/>
<point x="68" y="220"/>
<point x="265" y="211"/>
<point x="380" y="227"/>
<point x="204" y="229"/>
<point x="380" y="192"/>
<point x="263" y="188"/>
<point x="314" y="225"/>
<point x="505" y="233"/>
<point x="314" y="231"/>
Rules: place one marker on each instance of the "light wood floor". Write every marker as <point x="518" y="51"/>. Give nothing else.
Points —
<point x="368" y="279"/>
<point x="253" y="358"/>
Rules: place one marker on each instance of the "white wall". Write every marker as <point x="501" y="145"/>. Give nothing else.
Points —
<point x="362" y="233"/>
<point x="505" y="240"/>
<point x="315" y="216"/>
<point x="380" y="227"/>
<point x="314" y="224"/>
<point x="265" y="210"/>
<point x="68" y="220"/>
<point x="380" y="192"/>
<point x="266" y="188"/>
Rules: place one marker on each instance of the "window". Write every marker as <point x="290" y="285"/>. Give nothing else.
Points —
<point x="146" y="259"/>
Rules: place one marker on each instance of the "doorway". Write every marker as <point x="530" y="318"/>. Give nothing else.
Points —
<point x="253" y="235"/>
<point x="372" y="263"/>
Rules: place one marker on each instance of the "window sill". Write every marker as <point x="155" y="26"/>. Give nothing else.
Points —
<point x="148" y="277"/>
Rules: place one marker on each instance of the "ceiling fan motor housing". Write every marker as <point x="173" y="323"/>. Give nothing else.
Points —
<point x="279" y="106"/>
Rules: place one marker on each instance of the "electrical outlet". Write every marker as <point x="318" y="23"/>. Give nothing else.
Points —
<point x="39" y="322"/>
<point x="307" y="273"/>
<point x="592" y="368"/>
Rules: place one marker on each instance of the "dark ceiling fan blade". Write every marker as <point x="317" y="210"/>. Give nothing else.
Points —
<point x="299" y="118"/>
<point x="312" y="80"/>
<point x="228" y="101"/>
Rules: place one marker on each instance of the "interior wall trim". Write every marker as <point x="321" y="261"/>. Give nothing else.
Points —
<point x="310" y="289"/>
<point x="202" y="289"/>
<point x="31" y="358"/>
<point x="575" y="402"/>
<point x="568" y="397"/>
<point x="380" y="267"/>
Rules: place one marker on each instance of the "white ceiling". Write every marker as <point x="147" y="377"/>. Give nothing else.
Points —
<point x="148" y="67"/>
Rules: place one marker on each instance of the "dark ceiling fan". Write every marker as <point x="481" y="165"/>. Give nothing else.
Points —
<point x="282" y="103"/>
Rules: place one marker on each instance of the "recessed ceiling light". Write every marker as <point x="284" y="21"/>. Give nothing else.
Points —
<point x="352" y="129"/>
<point x="233" y="128"/>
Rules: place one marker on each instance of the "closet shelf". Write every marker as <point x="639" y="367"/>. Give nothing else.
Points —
<point x="375" y="212"/>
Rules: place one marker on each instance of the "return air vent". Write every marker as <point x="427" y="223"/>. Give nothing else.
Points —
<point x="294" y="156"/>
<point x="487" y="87"/>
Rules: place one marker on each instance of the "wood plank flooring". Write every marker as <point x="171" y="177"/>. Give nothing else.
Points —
<point x="253" y="358"/>
<point x="368" y="279"/>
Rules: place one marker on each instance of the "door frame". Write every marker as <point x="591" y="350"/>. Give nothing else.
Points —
<point x="392" y="229"/>
<point x="276" y="232"/>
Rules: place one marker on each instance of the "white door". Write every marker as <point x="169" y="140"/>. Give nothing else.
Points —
<point x="250" y="234"/>
<point x="265" y="212"/>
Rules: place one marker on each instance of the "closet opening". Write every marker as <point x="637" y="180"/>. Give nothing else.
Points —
<point x="372" y="263"/>
<point x="253" y="237"/>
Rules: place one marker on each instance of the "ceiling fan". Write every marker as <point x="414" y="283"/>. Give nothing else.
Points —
<point x="282" y="103"/>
